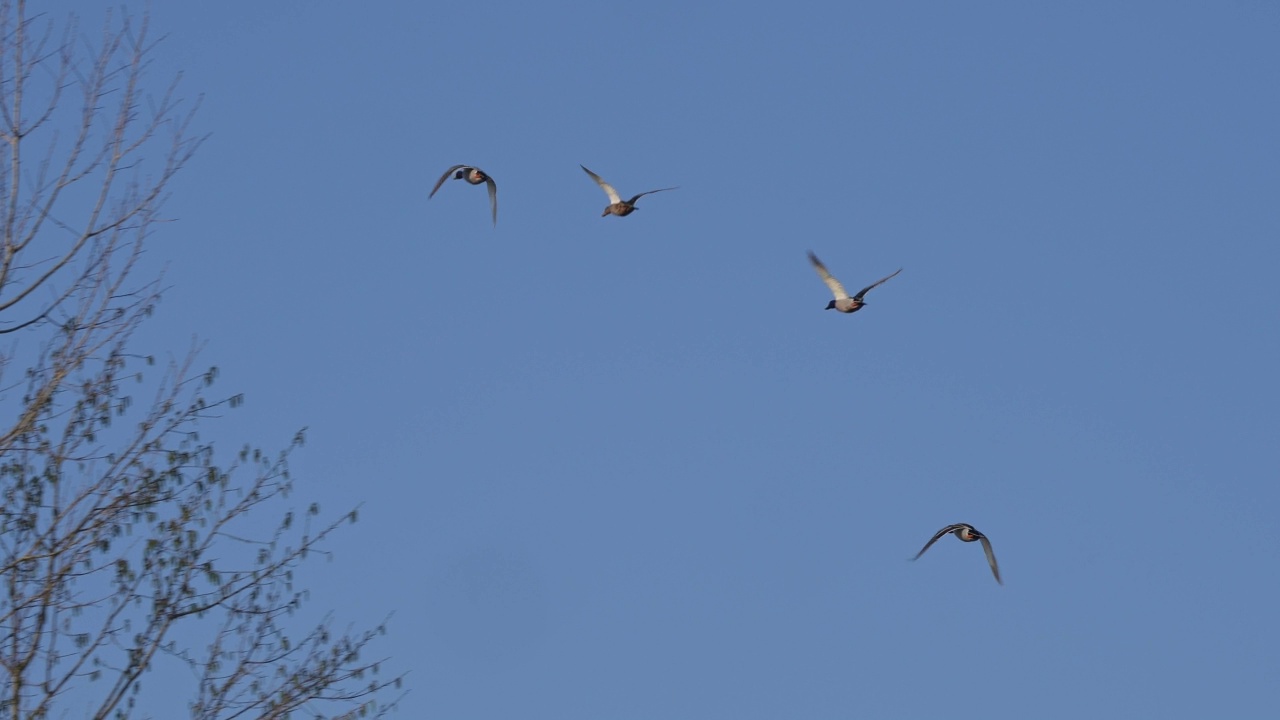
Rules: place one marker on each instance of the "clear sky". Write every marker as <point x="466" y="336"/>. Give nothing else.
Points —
<point x="630" y="468"/>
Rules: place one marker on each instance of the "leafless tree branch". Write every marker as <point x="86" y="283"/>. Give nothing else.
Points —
<point x="126" y="542"/>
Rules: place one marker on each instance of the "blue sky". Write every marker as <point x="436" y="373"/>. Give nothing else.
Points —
<point x="629" y="468"/>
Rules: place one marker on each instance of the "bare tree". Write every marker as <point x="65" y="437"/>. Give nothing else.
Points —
<point x="125" y="546"/>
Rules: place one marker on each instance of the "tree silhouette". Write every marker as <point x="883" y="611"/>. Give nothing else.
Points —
<point x="125" y="544"/>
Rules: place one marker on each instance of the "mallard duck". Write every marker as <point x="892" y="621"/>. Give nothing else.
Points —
<point x="843" y="302"/>
<point x="966" y="533"/>
<point x="475" y="176"/>
<point x="618" y="206"/>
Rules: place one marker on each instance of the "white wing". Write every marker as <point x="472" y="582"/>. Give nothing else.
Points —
<point x="836" y="288"/>
<point x="608" y="189"/>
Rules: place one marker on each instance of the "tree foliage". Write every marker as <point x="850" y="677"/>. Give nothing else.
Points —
<point x="125" y="543"/>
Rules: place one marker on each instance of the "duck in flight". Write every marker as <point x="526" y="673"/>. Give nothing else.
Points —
<point x="618" y="206"/>
<point x="475" y="176"/>
<point x="966" y="533"/>
<point x="843" y="302"/>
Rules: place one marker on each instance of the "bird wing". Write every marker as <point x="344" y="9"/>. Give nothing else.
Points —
<point x="493" y="196"/>
<point x="864" y="290"/>
<point x="991" y="557"/>
<point x="934" y="539"/>
<point x="444" y="177"/>
<point x="836" y="289"/>
<point x="634" y="199"/>
<point x="608" y="189"/>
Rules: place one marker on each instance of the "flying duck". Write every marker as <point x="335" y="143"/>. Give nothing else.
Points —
<point x="475" y="176"/>
<point x="966" y="533"/>
<point x="618" y="206"/>
<point x="843" y="302"/>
